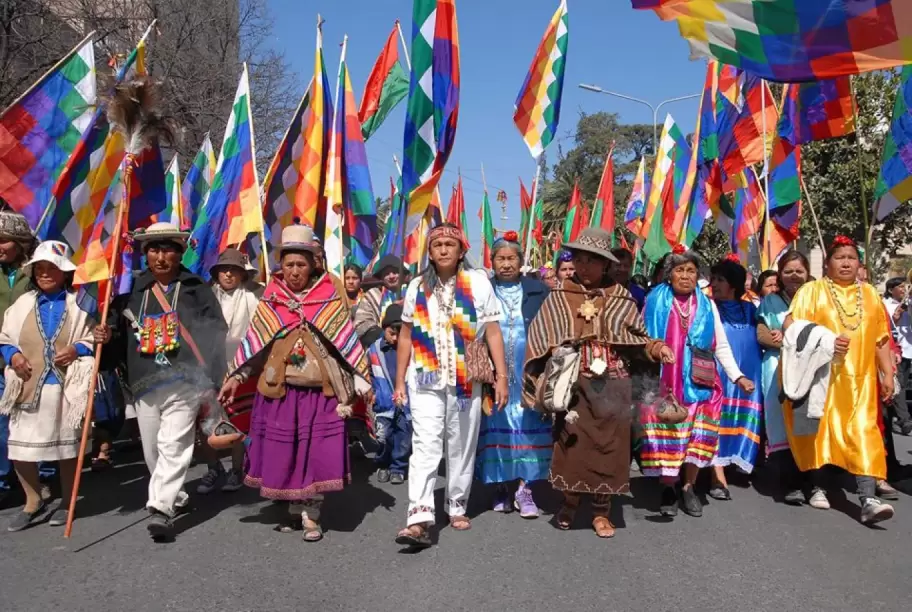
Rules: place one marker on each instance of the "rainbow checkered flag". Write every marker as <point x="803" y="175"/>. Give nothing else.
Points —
<point x="433" y="105"/>
<point x="538" y="104"/>
<point x="197" y="183"/>
<point x="794" y="40"/>
<point x="894" y="185"/>
<point x="41" y="129"/>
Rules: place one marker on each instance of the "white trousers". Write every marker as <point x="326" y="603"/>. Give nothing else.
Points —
<point x="435" y="419"/>
<point x="167" y="424"/>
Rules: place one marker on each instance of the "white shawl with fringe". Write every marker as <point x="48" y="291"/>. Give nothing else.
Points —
<point x="77" y="381"/>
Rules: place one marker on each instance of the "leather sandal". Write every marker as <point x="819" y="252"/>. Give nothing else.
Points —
<point x="415" y="536"/>
<point x="312" y="531"/>
<point x="460" y="523"/>
<point x="603" y="527"/>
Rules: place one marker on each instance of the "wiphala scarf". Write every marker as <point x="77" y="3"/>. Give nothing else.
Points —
<point x="462" y="322"/>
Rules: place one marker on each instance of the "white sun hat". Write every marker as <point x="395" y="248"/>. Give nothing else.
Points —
<point x="52" y="251"/>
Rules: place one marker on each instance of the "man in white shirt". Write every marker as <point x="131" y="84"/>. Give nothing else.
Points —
<point x="444" y="310"/>
<point x="901" y="324"/>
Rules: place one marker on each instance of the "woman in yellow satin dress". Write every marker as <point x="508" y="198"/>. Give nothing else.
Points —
<point x="848" y="435"/>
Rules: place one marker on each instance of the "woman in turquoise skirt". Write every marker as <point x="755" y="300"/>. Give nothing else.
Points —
<point x="794" y="271"/>
<point x="514" y="444"/>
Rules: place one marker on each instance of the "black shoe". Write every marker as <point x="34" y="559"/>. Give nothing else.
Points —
<point x="383" y="475"/>
<point x="906" y="429"/>
<point x="160" y="527"/>
<point x="795" y="497"/>
<point x="690" y="503"/>
<point x="669" y="504"/>
<point x="396" y="478"/>
<point x="720" y="493"/>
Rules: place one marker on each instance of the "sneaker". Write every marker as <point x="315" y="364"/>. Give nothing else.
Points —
<point x="819" y="499"/>
<point x="25" y="519"/>
<point x="875" y="511"/>
<point x="234" y="481"/>
<point x="669" y="504"/>
<point x="383" y="475"/>
<point x="886" y="491"/>
<point x="159" y="526"/>
<point x="211" y="479"/>
<point x="795" y="497"/>
<point x="523" y="502"/>
<point x="59" y="517"/>
<point x="502" y="500"/>
<point x="690" y="503"/>
<point x="396" y="478"/>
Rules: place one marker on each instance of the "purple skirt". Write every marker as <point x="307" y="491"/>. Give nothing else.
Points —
<point x="297" y="446"/>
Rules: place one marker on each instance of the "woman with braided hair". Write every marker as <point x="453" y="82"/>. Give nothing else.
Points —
<point x="854" y="374"/>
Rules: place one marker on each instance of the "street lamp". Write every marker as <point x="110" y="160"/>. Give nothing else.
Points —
<point x="655" y="109"/>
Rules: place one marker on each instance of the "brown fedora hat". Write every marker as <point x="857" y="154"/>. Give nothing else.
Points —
<point x="593" y="240"/>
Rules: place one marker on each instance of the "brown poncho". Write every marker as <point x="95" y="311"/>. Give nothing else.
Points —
<point x="591" y="455"/>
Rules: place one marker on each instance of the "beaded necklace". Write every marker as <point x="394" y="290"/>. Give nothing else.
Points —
<point x="840" y="310"/>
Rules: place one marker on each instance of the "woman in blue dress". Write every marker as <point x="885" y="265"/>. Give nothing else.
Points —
<point x="514" y="444"/>
<point x="794" y="272"/>
<point x="742" y="411"/>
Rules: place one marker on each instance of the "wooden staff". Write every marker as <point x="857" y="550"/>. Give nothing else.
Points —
<point x="127" y="172"/>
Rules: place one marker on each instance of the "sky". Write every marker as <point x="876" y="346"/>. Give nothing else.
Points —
<point x="611" y="45"/>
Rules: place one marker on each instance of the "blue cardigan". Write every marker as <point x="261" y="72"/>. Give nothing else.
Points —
<point x="534" y="294"/>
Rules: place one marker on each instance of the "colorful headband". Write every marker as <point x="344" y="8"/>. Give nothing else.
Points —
<point x="842" y="241"/>
<point x="679" y="249"/>
<point x="447" y="231"/>
<point x="565" y="256"/>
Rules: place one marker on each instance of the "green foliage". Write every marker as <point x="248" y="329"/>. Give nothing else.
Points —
<point x="593" y="137"/>
<point x="831" y="170"/>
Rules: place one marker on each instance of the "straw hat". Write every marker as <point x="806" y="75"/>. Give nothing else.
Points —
<point x="51" y="251"/>
<point x="298" y="238"/>
<point x="593" y="240"/>
<point x="165" y="232"/>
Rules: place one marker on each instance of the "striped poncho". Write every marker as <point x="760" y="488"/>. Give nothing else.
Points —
<point x="617" y="324"/>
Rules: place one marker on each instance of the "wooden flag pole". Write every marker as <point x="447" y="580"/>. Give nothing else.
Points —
<point x="126" y="173"/>
<point x="868" y="228"/>
<point x="256" y="180"/>
<point x="807" y="198"/>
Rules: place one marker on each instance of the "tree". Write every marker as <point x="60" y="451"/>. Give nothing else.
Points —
<point x="831" y="170"/>
<point x="586" y="160"/>
<point x="197" y="50"/>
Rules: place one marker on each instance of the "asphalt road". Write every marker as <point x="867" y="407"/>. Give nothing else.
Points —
<point x="752" y="553"/>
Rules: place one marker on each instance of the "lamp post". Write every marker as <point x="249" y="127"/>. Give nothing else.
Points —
<point x="655" y="109"/>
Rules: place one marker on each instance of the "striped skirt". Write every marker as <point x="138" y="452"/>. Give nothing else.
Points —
<point x="665" y="448"/>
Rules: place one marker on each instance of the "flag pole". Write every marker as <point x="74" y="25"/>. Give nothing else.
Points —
<point x="868" y="227"/>
<point x="256" y="179"/>
<point x="403" y="214"/>
<point x="766" y="177"/>
<point x="807" y="198"/>
<point x="49" y="71"/>
<point x="535" y="189"/>
<point x="331" y="203"/>
<point x="127" y="174"/>
<point x="408" y="60"/>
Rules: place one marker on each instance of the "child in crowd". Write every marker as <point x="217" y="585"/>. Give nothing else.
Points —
<point x="393" y="423"/>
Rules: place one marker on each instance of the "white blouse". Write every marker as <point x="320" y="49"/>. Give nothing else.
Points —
<point x="723" y="352"/>
<point x="487" y="309"/>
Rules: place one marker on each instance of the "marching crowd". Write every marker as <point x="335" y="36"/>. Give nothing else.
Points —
<point x="510" y="376"/>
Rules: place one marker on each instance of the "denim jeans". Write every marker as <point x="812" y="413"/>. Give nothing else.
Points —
<point x="866" y="486"/>
<point x="395" y="437"/>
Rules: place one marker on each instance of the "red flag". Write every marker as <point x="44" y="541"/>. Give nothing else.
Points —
<point x="573" y="223"/>
<point x="603" y="212"/>
<point x="525" y="206"/>
<point x="456" y="213"/>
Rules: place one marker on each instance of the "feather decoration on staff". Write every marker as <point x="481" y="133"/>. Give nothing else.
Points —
<point x="132" y="110"/>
